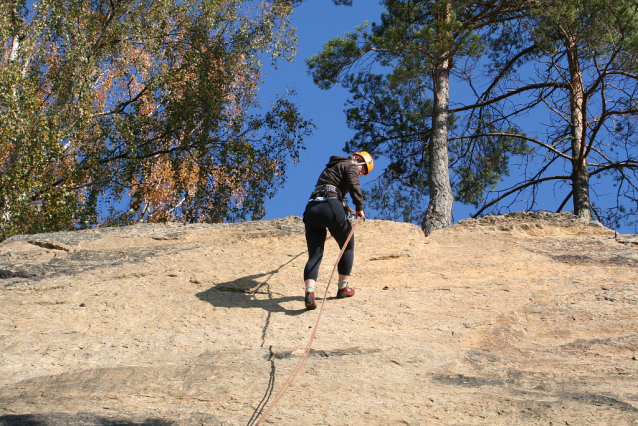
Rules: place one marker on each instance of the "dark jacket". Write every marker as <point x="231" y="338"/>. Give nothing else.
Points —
<point x="344" y="174"/>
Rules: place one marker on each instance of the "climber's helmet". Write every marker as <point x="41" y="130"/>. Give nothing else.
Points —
<point x="364" y="158"/>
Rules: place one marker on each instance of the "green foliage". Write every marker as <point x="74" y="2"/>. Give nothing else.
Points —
<point x="338" y="54"/>
<point x="342" y="2"/>
<point x="391" y="121"/>
<point x="141" y="108"/>
<point x="411" y="38"/>
<point x="391" y="112"/>
<point x="487" y="162"/>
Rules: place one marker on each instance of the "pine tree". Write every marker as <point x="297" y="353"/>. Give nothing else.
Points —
<point x="584" y="52"/>
<point x="422" y="41"/>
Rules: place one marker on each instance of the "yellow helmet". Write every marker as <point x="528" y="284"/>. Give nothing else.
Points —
<point x="368" y="160"/>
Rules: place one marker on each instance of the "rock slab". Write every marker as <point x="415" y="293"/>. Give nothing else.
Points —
<point x="522" y="319"/>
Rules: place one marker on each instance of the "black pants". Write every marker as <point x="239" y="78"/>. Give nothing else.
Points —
<point x="318" y="216"/>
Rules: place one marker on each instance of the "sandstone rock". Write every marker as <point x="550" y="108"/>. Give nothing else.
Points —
<point x="521" y="319"/>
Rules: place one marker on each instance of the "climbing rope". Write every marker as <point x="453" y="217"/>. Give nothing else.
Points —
<point x="301" y="361"/>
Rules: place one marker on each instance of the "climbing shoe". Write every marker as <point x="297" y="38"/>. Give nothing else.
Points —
<point x="310" y="301"/>
<point x="345" y="292"/>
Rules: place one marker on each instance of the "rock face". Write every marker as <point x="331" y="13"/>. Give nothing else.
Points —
<point x="523" y="319"/>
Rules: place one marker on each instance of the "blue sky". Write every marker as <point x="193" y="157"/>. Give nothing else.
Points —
<point x="318" y="21"/>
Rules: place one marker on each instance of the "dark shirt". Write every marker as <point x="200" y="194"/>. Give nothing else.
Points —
<point x="344" y="174"/>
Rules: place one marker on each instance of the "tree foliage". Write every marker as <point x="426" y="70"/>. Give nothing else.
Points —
<point x="404" y="113"/>
<point x="146" y="109"/>
<point x="392" y="121"/>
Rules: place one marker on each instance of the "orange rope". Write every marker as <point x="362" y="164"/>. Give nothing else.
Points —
<point x="297" y="368"/>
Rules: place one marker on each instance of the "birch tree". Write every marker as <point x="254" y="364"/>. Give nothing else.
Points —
<point x="119" y="111"/>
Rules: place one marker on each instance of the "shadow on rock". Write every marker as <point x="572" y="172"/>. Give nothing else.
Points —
<point x="242" y="293"/>
<point x="76" y="420"/>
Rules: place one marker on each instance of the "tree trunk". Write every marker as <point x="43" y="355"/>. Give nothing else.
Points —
<point x="439" y="212"/>
<point x="580" y="174"/>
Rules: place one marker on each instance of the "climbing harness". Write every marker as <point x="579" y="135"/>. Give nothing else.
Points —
<point x="322" y="191"/>
<point x="322" y="199"/>
<point x="301" y="361"/>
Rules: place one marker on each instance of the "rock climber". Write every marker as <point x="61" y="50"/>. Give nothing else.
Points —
<point x="326" y="209"/>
